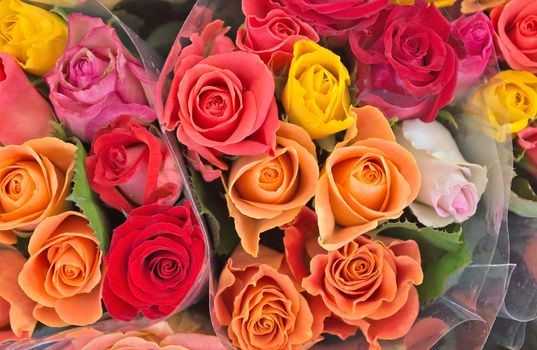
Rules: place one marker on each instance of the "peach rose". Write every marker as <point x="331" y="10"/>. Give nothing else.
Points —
<point x="370" y="284"/>
<point x="63" y="273"/>
<point x="155" y="337"/>
<point x="367" y="178"/>
<point x="16" y="320"/>
<point x="260" y="306"/>
<point x="266" y="191"/>
<point x="35" y="179"/>
<point x="471" y="6"/>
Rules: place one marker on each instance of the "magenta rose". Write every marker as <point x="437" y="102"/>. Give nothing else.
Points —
<point x="221" y="102"/>
<point x="515" y="24"/>
<point x="155" y="259"/>
<point x="333" y="18"/>
<point x="128" y="166"/>
<point x="475" y="38"/>
<point x="270" y="32"/>
<point x="96" y="79"/>
<point x="406" y="66"/>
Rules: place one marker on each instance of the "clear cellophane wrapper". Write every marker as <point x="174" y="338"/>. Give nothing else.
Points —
<point x="463" y="316"/>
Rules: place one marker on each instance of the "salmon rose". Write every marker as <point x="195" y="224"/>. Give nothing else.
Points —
<point x="35" y="179"/>
<point x="367" y="178"/>
<point x="63" y="273"/>
<point x="260" y="306"/>
<point x="267" y="191"/>
<point x="370" y="284"/>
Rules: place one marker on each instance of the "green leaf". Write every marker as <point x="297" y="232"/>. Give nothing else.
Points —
<point x="522" y="199"/>
<point x="213" y="205"/>
<point x="327" y="143"/>
<point x="58" y="130"/>
<point x="443" y="252"/>
<point x="393" y="123"/>
<point x="60" y="12"/>
<point x="447" y="118"/>
<point x="86" y="200"/>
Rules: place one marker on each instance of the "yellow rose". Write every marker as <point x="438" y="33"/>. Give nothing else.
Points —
<point x="316" y="96"/>
<point x="35" y="37"/>
<point x="438" y="3"/>
<point x="506" y="104"/>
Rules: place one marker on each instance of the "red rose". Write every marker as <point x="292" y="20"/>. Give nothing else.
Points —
<point x="334" y="18"/>
<point x="406" y="66"/>
<point x="128" y="166"/>
<point x="155" y="259"/>
<point x="515" y="24"/>
<point x="527" y="139"/>
<point x="271" y="33"/>
<point x="221" y="104"/>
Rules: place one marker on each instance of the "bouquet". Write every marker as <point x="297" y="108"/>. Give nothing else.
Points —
<point x="81" y="158"/>
<point x="352" y="191"/>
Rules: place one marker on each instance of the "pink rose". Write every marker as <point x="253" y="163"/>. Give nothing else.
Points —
<point x="221" y="102"/>
<point x="475" y="36"/>
<point x="334" y="18"/>
<point x="270" y="32"/>
<point x="527" y="139"/>
<point x="96" y="80"/>
<point x="406" y="67"/>
<point x="515" y="24"/>
<point x="25" y="113"/>
<point x="129" y="166"/>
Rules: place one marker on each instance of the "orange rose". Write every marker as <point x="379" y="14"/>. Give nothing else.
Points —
<point x="260" y="306"/>
<point x="35" y="179"/>
<point x="267" y="191"/>
<point x="370" y="284"/>
<point x="63" y="273"/>
<point x="154" y="337"/>
<point x="16" y="320"/>
<point x="366" y="179"/>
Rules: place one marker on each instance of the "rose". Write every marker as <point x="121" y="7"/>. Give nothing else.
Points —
<point x="108" y="3"/>
<point x="128" y="166"/>
<point x="155" y="259"/>
<point x="156" y="336"/>
<point x="63" y="273"/>
<point x="271" y="33"/>
<point x="527" y="140"/>
<point x="475" y="36"/>
<point x="366" y="179"/>
<point x="515" y="24"/>
<point x="25" y="113"/>
<point x="316" y="96"/>
<point x="437" y="3"/>
<point x="33" y="36"/>
<point x="266" y="191"/>
<point x="96" y="80"/>
<point x="406" y="67"/>
<point x="370" y="284"/>
<point x="16" y="319"/>
<point x="471" y="6"/>
<point x="335" y="18"/>
<point x="260" y="306"/>
<point x="222" y="104"/>
<point x="35" y="180"/>
<point x="506" y="104"/>
<point x="453" y="187"/>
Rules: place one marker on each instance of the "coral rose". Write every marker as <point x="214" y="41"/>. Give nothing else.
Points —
<point x="221" y="101"/>
<point x="260" y="306"/>
<point x="154" y="337"/>
<point x="26" y="114"/>
<point x="267" y="191"/>
<point x="515" y="24"/>
<point x="64" y="271"/>
<point x="370" y="284"/>
<point x="129" y="166"/>
<point x="367" y="178"/>
<point x="35" y="180"/>
<point x="16" y="319"/>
